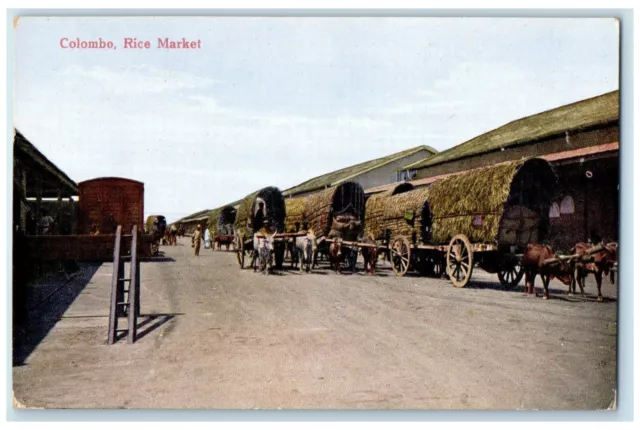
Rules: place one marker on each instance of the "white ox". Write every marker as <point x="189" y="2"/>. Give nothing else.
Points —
<point x="263" y="247"/>
<point x="305" y="248"/>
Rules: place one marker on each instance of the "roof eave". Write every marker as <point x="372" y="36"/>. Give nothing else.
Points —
<point x="384" y="163"/>
<point x="411" y="151"/>
<point x="514" y="144"/>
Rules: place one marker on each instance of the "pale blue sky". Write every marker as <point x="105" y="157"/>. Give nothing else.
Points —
<point x="276" y="101"/>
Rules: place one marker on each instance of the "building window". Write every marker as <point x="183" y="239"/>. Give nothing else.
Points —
<point x="554" y="211"/>
<point x="567" y="206"/>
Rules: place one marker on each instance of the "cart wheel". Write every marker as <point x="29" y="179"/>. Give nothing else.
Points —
<point x="511" y="276"/>
<point x="459" y="261"/>
<point x="239" y="248"/>
<point x="400" y="255"/>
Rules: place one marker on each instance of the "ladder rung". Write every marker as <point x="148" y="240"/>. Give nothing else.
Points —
<point x="124" y="279"/>
<point x="123" y="303"/>
<point x="122" y="329"/>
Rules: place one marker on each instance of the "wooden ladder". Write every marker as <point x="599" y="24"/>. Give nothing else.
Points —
<point x="129" y="308"/>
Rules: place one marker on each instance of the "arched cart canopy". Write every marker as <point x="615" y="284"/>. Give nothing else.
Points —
<point x="221" y="220"/>
<point x="247" y="218"/>
<point x="346" y="199"/>
<point x="151" y="219"/>
<point x="507" y="203"/>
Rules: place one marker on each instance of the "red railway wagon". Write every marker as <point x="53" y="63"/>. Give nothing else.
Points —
<point x="105" y="203"/>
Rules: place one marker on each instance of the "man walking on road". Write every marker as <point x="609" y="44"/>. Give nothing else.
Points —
<point x="197" y="238"/>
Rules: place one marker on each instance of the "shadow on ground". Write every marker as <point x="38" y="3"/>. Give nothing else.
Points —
<point x="148" y="323"/>
<point x="47" y="299"/>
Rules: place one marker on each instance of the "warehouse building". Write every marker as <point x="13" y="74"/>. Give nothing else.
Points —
<point x="580" y="139"/>
<point x="368" y="174"/>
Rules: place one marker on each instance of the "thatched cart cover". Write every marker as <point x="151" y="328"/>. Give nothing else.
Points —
<point x="474" y="203"/>
<point x="246" y="221"/>
<point x="376" y="208"/>
<point x="295" y="213"/>
<point x="409" y="214"/>
<point x="346" y="199"/>
<point x="221" y="220"/>
<point x="149" y="223"/>
<point x="242" y="216"/>
<point x="212" y="221"/>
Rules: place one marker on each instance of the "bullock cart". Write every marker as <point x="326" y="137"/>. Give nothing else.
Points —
<point x="483" y="217"/>
<point x="155" y="227"/>
<point x="336" y="213"/>
<point x="263" y="209"/>
<point x="220" y="224"/>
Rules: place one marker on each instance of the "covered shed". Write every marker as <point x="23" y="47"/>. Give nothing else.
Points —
<point x="40" y="186"/>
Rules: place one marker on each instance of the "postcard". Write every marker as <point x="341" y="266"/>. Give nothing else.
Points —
<point x="398" y="213"/>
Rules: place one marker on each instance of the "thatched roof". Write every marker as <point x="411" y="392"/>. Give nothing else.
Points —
<point x="457" y="200"/>
<point x="198" y="216"/>
<point x="342" y="175"/>
<point x="54" y="178"/>
<point x="600" y="110"/>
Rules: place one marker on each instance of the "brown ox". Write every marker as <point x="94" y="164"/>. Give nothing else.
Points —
<point x="601" y="262"/>
<point x="370" y="257"/>
<point x="533" y="264"/>
<point x="336" y="256"/>
<point x="223" y="239"/>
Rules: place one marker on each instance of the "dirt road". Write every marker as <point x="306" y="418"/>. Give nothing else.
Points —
<point x="213" y="336"/>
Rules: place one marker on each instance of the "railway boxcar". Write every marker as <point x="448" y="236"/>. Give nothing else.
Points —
<point x="105" y="203"/>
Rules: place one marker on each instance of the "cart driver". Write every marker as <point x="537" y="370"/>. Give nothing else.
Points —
<point x="260" y="218"/>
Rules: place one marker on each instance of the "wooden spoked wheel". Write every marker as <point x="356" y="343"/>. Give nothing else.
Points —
<point x="459" y="261"/>
<point x="239" y="248"/>
<point x="400" y="250"/>
<point x="511" y="275"/>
